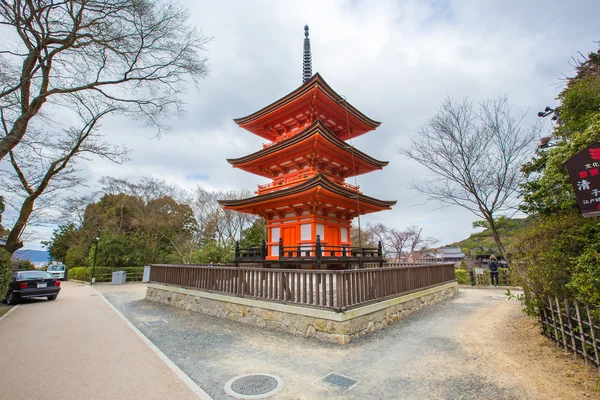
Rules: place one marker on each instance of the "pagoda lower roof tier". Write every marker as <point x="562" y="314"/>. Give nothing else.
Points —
<point x="315" y="99"/>
<point x="315" y="147"/>
<point x="316" y="194"/>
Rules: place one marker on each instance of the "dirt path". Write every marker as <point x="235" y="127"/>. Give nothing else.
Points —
<point x="508" y="344"/>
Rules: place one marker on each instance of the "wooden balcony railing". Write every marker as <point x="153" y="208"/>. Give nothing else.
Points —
<point x="316" y="252"/>
<point x="337" y="290"/>
<point x="250" y="254"/>
<point x="297" y="177"/>
<point x="325" y="252"/>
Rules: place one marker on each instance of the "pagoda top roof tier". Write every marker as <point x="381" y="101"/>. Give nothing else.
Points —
<point x="316" y="193"/>
<point x="315" y="145"/>
<point x="315" y="99"/>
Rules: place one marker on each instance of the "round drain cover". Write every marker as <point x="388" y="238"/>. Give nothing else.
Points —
<point x="254" y="386"/>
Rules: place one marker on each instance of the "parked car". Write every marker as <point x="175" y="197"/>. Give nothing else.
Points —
<point x="28" y="284"/>
<point x="57" y="270"/>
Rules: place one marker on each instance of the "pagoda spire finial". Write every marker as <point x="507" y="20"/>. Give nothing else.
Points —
<point x="307" y="61"/>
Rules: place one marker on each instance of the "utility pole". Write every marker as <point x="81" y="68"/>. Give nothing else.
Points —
<point x="95" y="254"/>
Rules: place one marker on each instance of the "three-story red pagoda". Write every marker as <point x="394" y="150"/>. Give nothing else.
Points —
<point x="308" y="205"/>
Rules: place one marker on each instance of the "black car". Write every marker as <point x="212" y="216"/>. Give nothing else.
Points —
<point x="28" y="284"/>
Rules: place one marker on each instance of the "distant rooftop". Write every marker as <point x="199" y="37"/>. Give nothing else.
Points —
<point x="451" y="252"/>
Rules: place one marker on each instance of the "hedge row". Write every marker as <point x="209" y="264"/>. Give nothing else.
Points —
<point x="462" y="277"/>
<point x="104" y="274"/>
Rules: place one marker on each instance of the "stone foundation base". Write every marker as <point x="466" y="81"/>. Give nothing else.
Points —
<point x="329" y="326"/>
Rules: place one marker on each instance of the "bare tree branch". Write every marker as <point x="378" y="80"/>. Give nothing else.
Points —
<point x="134" y="56"/>
<point x="475" y="155"/>
<point x="44" y="164"/>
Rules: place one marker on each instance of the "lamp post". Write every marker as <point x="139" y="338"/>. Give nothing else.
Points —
<point x="545" y="141"/>
<point x="97" y="239"/>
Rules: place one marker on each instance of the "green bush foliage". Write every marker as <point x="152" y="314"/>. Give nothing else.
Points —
<point x="5" y="271"/>
<point x="104" y="274"/>
<point x="79" y="273"/>
<point x="23" y="265"/>
<point x="548" y="251"/>
<point x="462" y="276"/>
<point x="585" y="281"/>
<point x="559" y="253"/>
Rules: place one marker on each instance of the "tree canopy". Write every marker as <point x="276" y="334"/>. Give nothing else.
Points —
<point x="149" y="221"/>
<point x="558" y="252"/>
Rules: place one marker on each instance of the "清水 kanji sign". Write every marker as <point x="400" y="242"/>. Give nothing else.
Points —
<point x="584" y="173"/>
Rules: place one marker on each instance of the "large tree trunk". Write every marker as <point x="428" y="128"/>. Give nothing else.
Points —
<point x="496" y="237"/>
<point x="13" y="242"/>
<point x="15" y="135"/>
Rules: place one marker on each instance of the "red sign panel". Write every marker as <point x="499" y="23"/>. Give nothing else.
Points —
<point x="584" y="173"/>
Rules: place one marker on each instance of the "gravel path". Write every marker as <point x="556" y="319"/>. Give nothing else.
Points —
<point x="428" y="355"/>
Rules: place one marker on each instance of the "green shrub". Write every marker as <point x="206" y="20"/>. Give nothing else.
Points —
<point x="23" y="265"/>
<point x="585" y="282"/>
<point x="462" y="276"/>
<point x="75" y="256"/>
<point x="80" y="273"/>
<point x="5" y="271"/>
<point x="104" y="274"/>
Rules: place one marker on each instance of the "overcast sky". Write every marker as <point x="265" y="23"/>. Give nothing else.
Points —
<point x="393" y="60"/>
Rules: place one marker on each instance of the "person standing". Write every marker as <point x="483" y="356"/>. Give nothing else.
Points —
<point x="494" y="267"/>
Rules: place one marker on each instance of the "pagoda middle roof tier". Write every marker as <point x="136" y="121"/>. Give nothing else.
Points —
<point x="315" y="144"/>
<point x="315" y="99"/>
<point x="316" y="193"/>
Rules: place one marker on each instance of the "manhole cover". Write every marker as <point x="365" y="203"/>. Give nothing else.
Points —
<point x="254" y="386"/>
<point x="156" y="322"/>
<point x="336" y="382"/>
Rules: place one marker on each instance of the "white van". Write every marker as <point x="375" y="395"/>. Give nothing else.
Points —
<point x="57" y="270"/>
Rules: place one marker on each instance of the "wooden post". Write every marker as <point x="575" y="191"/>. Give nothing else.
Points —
<point x="571" y="327"/>
<point x="263" y="250"/>
<point x="280" y="248"/>
<point x="280" y="278"/>
<point x="338" y="291"/>
<point x="595" y="345"/>
<point x="555" y="334"/>
<point x="237" y="253"/>
<point x="380" y="254"/>
<point x="318" y="251"/>
<point x="562" y="325"/>
<point x="545" y="320"/>
<point x="581" y="333"/>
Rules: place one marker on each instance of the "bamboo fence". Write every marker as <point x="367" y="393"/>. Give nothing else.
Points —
<point x="572" y="326"/>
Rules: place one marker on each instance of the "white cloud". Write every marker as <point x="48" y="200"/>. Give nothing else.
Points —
<point x="395" y="61"/>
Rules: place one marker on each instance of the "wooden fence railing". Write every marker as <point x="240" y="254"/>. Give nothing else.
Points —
<point x="337" y="290"/>
<point x="482" y="277"/>
<point x="571" y="325"/>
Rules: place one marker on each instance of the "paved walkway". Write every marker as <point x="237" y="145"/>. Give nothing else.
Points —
<point x="77" y="347"/>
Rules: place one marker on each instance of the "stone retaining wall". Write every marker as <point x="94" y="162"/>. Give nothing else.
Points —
<point x="323" y="325"/>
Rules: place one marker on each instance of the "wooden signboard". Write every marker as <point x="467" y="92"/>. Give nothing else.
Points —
<point x="584" y="173"/>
